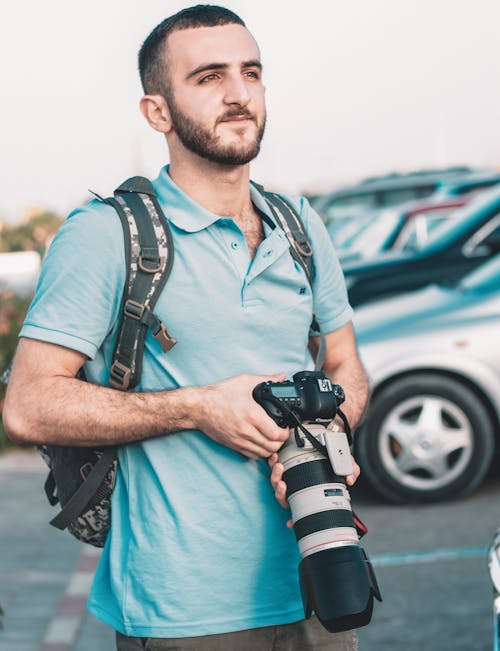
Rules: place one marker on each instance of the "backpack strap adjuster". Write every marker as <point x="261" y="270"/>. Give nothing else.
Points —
<point x="134" y="310"/>
<point x="304" y="248"/>
<point x="85" y="470"/>
<point x="145" y="264"/>
<point x="119" y="376"/>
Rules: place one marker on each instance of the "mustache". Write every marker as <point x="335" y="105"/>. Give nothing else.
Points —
<point x="236" y="113"/>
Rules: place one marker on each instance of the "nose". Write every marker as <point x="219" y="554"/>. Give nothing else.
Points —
<point x="236" y="91"/>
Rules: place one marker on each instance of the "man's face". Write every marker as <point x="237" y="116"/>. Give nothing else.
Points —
<point x="216" y="95"/>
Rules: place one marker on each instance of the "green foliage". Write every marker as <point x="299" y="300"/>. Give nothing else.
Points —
<point x="12" y="311"/>
<point x="31" y="235"/>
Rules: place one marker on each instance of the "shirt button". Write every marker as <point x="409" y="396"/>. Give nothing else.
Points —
<point x="267" y="253"/>
<point x="234" y="245"/>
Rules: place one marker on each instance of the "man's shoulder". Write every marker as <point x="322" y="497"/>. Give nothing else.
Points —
<point x="90" y="233"/>
<point x="95" y="221"/>
<point x="95" y="211"/>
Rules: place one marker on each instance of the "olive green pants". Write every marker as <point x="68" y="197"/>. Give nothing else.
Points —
<point x="306" y="635"/>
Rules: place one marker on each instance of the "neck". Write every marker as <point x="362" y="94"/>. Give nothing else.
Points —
<point x="221" y="189"/>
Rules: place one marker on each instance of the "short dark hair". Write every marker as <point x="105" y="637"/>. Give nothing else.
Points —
<point x="152" y="63"/>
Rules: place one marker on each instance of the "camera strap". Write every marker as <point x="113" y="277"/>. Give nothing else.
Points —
<point x="347" y="427"/>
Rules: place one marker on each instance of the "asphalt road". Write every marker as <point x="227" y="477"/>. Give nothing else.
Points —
<point x="430" y="563"/>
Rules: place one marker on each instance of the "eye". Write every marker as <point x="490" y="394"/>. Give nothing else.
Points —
<point x="211" y="77"/>
<point x="253" y="74"/>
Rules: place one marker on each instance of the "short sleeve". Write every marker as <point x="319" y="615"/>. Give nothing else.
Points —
<point x="79" y="292"/>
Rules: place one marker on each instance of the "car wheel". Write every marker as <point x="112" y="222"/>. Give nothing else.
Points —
<point x="426" y="437"/>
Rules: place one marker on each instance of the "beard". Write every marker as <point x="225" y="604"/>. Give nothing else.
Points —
<point x="205" y="143"/>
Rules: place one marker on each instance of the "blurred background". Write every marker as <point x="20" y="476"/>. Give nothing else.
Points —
<point x="385" y="114"/>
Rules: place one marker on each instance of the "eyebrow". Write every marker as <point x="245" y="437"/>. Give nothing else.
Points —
<point x="253" y="63"/>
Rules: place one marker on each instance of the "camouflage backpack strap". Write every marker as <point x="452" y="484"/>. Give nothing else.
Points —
<point x="79" y="501"/>
<point x="290" y="222"/>
<point x="82" y="479"/>
<point x="149" y="255"/>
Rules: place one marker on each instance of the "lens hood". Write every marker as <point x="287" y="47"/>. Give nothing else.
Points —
<point x="339" y="585"/>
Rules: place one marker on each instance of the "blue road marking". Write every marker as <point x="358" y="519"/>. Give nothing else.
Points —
<point x="413" y="558"/>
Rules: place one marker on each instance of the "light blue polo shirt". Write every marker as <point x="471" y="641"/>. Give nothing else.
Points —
<point x="198" y="543"/>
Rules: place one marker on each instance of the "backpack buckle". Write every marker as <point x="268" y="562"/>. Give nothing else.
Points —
<point x="166" y="341"/>
<point x="119" y="376"/>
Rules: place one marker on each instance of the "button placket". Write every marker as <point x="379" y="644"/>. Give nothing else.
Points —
<point x="268" y="252"/>
<point x="237" y="252"/>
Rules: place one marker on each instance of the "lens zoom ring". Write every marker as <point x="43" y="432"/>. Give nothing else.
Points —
<point x="309" y="474"/>
<point x="322" y="520"/>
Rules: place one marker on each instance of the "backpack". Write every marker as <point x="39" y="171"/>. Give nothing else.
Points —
<point x="82" y="479"/>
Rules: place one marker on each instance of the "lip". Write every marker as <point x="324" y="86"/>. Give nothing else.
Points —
<point x="238" y="118"/>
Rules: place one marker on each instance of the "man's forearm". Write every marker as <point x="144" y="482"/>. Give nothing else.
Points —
<point x="46" y="403"/>
<point x="68" y="411"/>
<point x="353" y="379"/>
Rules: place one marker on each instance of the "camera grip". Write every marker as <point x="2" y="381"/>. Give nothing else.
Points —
<point x="261" y="395"/>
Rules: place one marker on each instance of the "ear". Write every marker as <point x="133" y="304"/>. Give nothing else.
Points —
<point x="155" y="110"/>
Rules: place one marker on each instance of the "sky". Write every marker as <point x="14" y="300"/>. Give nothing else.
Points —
<point x="354" y="88"/>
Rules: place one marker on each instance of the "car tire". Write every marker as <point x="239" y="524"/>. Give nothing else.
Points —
<point x="426" y="438"/>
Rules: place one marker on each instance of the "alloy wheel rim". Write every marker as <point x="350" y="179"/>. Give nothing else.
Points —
<point x="426" y="442"/>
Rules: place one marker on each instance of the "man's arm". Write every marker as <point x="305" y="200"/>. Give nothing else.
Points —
<point x="46" y="403"/>
<point x="343" y="366"/>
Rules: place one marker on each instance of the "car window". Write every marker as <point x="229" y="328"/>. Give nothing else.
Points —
<point x="486" y="240"/>
<point x="348" y="230"/>
<point x="483" y="278"/>
<point x="417" y="230"/>
<point x="465" y="219"/>
<point x="492" y="240"/>
<point x="402" y="195"/>
<point x="373" y="237"/>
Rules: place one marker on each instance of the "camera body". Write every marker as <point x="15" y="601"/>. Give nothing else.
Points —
<point x="336" y="578"/>
<point x="311" y="395"/>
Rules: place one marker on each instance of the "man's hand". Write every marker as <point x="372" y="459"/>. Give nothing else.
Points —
<point x="230" y="416"/>
<point x="279" y="485"/>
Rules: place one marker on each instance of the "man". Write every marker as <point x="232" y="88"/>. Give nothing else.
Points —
<point x="198" y="556"/>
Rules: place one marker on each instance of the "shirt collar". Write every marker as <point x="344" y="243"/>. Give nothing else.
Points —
<point x="188" y="215"/>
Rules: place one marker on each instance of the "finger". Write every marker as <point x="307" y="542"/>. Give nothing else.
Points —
<point x="289" y="524"/>
<point x="280" y="494"/>
<point x="272" y="459"/>
<point x="351" y="479"/>
<point x="256" y="437"/>
<point x="251" y="450"/>
<point x="277" y="471"/>
<point x="268" y="428"/>
<point x="276" y="475"/>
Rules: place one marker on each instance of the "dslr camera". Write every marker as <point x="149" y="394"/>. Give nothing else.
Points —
<point x="337" y="580"/>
